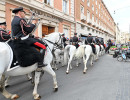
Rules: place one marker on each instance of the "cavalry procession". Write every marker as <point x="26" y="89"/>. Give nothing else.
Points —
<point x="24" y="53"/>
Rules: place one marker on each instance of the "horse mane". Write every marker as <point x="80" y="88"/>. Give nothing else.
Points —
<point x="49" y="35"/>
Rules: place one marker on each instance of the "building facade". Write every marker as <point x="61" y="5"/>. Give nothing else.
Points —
<point x="65" y="16"/>
<point x="124" y="37"/>
<point x="56" y="15"/>
<point x="92" y="16"/>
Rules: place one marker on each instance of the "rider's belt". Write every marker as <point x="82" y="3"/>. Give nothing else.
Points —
<point x="25" y="37"/>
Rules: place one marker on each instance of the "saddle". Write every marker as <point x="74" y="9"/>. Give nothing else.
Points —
<point x="23" y="54"/>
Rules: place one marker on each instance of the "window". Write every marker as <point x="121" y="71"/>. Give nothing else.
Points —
<point x="93" y="17"/>
<point x="82" y="9"/>
<point x="88" y="14"/>
<point x="96" y="20"/>
<point x="99" y="14"/>
<point x="99" y="6"/>
<point x="96" y="11"/>
<point x="65" y="6"/>
<point x="82" y="26"/>
<point x="93" y="7"/>
<point x="83" y="0"/>
<point x="88" y="2"/>
<point x="96" y="2"/>
<point x="47" y="2"/>
<point x="66" y="31"/>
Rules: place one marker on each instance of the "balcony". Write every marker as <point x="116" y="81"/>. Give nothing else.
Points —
<point x="83" y="17"/>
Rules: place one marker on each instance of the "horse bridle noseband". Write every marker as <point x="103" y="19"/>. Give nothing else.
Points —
<point x="57" y="46"/>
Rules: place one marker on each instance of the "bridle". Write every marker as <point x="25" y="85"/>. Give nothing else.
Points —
<point x="56" y="45"/>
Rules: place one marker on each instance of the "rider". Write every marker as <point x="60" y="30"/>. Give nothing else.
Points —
<point x="64" y="40"/>
<point x="4" y="35"/>
<point x="89" y="40"/>
<point x="75" y="40"/>
<point x="20" y="29"/>
<point x="97" y="41"/>
<point x="102" y="42"/>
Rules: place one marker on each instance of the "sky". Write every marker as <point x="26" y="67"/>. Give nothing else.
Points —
<point x="122" y="13"/>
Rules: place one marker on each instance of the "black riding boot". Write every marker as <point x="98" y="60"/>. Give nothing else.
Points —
<point x="41" y="64"/>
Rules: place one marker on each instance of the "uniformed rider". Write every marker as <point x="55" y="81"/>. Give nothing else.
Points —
<point x="97" y="40"/>
<point x="20" y="29"/>
<point x="89" y="40"/>
<point x="64" y="40"/>
<point x="75" y="40"/>
<point x="4" y="35"/>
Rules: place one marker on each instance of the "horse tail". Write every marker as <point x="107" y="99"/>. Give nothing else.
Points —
<point x="66" y="54"/>
<point x="80" y="51"/>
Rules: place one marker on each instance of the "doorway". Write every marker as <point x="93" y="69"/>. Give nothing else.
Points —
<point x="47" y="30"/>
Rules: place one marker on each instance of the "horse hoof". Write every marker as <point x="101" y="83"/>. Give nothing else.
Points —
<point x="84" y="72"/>
<point x="55" y="89"/>
<point x="14" y="97"/>
<point x="67" y="72"/>
<point x="6" y="86"/>
<point x="29" y="79"/>
<point x="37" y="97"/>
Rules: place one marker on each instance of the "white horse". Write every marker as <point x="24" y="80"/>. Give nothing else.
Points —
<point x="6" y="56"/>
<point x="69" y="54"/>
<point x="57" y="58"/>
<point x="86" y="52"/>
<point x="102" y="50"/>
<point x="96" y="57"/>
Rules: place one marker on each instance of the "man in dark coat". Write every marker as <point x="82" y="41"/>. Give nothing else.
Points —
<point x="97" y="40"/>
<point x="75" y="40"/>
<point x="64" y="40"/>
<point x="89" y="40"/>
<point x="20" y="29"/>
<point x="4" y="35"/>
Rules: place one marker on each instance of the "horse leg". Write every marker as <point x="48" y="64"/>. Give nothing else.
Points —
<point x="3" y="90"/>
<point x="51" y="72"/>
<point x="36" y="82"/>
<point x="91" y="61"/>
<point x="28" y="77"/>
<point x="33" y="76"/>
<point x="77" y="62"/>
<point x="6" y="82"/>
<point x="85" y="63"/>
<point x="69" y="64"/>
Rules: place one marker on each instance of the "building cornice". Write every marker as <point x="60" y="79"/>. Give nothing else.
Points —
<point x="61" y="15"/>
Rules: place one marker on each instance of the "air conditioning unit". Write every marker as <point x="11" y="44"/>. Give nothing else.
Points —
<point x="83" y="17"/>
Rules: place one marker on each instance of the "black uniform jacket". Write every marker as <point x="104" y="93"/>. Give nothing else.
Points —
<point x="20" y="28"/>
<point x="75" y="39"/>
<point x="4" y="35"/>
<point x="89" y="40"/>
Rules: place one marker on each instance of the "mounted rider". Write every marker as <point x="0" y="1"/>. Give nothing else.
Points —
<point x="64" y="40"/>
<point x="20" y="30"/>
<point x="89" y="41"/>
<point x="75" y="40"/>
<point x="4" y="35"/>
<point x="97" y="41"/>
<point x="102" y="42"/>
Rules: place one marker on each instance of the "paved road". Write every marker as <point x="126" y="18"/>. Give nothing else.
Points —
<point x="107" y="79"/>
